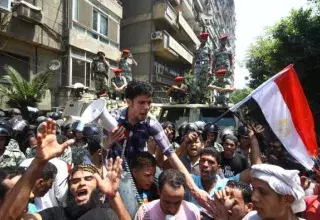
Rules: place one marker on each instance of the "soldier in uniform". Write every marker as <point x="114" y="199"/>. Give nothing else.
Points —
<point x="221" y="88"/>
<point x="100" y="68"/>
<point x="223" y="57"/>
<point x="118" y="84"/>
<point x="125" y="62"/>
<point x="202" y="64"/>
<point x="10" y="154"/>
<point x="178" y="92"/>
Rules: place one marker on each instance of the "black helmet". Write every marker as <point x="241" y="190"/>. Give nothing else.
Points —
<point x="226" y="131"/>
<point x="75" y="125"/>
<point x="55" y="116"/>
<point x="66" y="128"/>
<point x="182" y="128"/>
<point x="41" y="119"/>
<point x="20" y="126"/>
<point x="210" y="127"/>
<point x="191" y="127"/>
<point x="5" y="128"/>
<point x="169" y="124"/>
<point x="201" y="125"/>
<point x="243" y="131"/>
<point x="91" y="130"/>
<point x="14" y="111"/>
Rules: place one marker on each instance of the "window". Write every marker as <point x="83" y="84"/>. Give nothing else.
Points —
<point x="75" y="11"/>
<point x="210" y="115"/>
<point x="95" y="21"/>
<point x="100" y="23"/>
<point x="103" y="25"/>
<point x="19" y="63"/>
<point x="78" y="71"/>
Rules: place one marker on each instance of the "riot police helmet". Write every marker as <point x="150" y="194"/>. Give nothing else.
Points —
<point x="91" y="130"/>
<point x="41" y="119"/>
<point x="212" y="128"/>
<point x="2" y="114"/>
<point x="201" y="125"/>
<point x="243" y="131"/>
<point x="182" y="128"/>
<point x="14" y="111"/>
<point x="54" y="116"/>
<point x="191" y="127"/>
<point x="226" y="131"/>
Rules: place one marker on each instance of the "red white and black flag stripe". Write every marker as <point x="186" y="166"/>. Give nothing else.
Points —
<point x="281" y="107"/>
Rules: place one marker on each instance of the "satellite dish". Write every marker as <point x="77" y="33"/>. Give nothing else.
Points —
<point x="54" y="65"/>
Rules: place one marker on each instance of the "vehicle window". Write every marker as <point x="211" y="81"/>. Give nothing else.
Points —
<point x="174" y="114"/>
<point x="210" y="115"/>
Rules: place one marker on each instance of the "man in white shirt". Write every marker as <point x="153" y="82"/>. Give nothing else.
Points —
<point x="57" y="195"/>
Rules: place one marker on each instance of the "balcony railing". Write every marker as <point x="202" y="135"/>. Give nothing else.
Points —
<point x="186" y="27"/>
<point x="187" y="11"/>
<point x="169" y="48"/>
<point x="164" y="11"/>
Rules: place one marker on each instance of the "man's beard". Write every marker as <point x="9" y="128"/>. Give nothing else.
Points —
<point x="75" y="211"/>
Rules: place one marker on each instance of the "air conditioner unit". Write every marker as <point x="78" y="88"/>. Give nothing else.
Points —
<point x="29" y="14"/>
<point x="158" y="35"/>
<point x="5" y="5"/>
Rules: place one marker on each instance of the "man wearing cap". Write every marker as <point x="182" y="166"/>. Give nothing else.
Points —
<point x="223" y="57"/>
<point x="178" y="92"/>
<point x="100" y="69"/>
<point x="119" y="84"/>
<point x="202" y="64"/>
<point x="125" y="62"/>
<point x="221" y="88"/>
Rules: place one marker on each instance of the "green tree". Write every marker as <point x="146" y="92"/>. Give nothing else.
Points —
<point x="294" y="39"/>
<point x="22" y="93"/>
<point x="239" y="94"/>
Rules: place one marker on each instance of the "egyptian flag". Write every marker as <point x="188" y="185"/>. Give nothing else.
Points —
<point x="280" y="106"/>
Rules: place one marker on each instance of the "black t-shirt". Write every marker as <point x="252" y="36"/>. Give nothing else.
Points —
<point x="54" y="213"/>
<point x="59" y="213"/>
<point x="232" y="167"/>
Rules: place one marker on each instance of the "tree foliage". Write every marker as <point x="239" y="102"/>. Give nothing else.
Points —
<point x="239" y="94"/>
<point x="294" y="39"/>
<point x="22" y="93"/>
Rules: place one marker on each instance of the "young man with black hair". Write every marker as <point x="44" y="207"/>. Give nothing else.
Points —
<point x="136" y="128"/>
<point x="171" y="204"/>
<point x="143" y="167"/>
<point x="233" y="202"/>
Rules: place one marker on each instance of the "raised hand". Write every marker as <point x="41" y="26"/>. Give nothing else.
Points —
<point x="47" y="146"/>
<point x="111" y="184"/>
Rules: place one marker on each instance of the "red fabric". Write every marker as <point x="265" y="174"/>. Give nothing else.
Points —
<point x="222" y="71"/>
<point x="204" y="35"/>
<point x="178" y="78"/>
<point x="117" y="70"/>
<point x="297" y="103"/>
<point x="313" y="208"/>
<point x="223" y="37"/>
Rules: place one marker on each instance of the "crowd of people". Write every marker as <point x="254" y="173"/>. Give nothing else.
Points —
<point x="49" y="169"/>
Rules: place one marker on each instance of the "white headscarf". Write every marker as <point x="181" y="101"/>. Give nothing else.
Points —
<point x="283" y="182"/>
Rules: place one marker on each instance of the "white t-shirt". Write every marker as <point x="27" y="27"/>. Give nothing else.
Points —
<point x="57" y="195"/>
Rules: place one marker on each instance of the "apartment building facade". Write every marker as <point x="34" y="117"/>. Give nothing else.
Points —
<point x="34" y="32"/>
<point x="163" y="34"/>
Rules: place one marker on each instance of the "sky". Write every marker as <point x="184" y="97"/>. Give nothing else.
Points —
<point x="252" y="17"/>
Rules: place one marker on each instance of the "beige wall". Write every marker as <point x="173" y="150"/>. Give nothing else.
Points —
<point x="48" y="35"/>
<point x="85" y="42"/>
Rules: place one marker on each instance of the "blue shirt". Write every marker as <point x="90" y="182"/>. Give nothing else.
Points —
<point x="32" y="208"/>
<point x="220" y="185"/>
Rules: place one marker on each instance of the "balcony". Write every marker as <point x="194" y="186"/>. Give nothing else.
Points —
<point x="187" y="29"/>
<point x="165" y="15"/>
<point x="186" y="6"/>
<point x="198" y="5"/>
<point x="168" y="48"/>
<point x="113" y="6"/>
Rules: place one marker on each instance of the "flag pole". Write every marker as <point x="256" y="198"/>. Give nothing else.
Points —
<point x="221" y="116"/>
